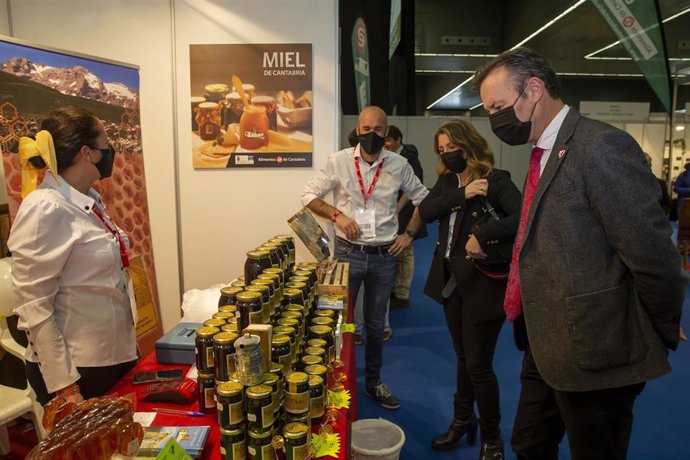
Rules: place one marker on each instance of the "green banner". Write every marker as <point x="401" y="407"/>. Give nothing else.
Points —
<point x="394" y="32"/>
<point x="637" y="25"/>
<point x="360" y="56"/>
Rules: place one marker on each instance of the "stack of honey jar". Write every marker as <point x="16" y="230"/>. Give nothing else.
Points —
<point x="258" y="397"/>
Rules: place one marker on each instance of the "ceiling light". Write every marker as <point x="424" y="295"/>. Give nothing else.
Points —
<point x="538" y="31"/>
<point x="670" y="18"/>
<point x="680" y="127"/>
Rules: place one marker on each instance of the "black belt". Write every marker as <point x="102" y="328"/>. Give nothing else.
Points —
<point x="367" y="249"/>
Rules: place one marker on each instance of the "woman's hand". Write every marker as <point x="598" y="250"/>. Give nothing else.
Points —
<point x="474" y="249"/>
<point x="476" y="187"/>
<point x="71" y="393"/>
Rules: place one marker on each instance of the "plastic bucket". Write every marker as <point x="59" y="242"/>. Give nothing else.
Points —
<point x="376" y="439"/>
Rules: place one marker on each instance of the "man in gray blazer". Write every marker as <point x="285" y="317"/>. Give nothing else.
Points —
<point x="597" y="286"/>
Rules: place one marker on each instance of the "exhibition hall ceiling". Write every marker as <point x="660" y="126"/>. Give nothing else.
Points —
<point x="455" y="37"/>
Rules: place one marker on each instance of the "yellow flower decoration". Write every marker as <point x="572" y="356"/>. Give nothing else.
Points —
<point x="41" y="147"/>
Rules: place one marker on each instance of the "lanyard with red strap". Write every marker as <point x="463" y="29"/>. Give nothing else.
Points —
<point x="116" y="234"/>
<point x="373" y="181"/>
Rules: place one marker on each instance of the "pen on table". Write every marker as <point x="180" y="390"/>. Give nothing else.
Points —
<point x="179" y="412"/>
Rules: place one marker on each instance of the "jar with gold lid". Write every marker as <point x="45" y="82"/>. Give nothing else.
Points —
<point x="257" y="261"/>
<point x="248" y="303"/>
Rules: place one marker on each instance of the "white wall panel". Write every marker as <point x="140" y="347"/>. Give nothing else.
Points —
<point x="137" y="32"/>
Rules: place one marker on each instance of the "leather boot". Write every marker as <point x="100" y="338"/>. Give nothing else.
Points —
<point x="458" y="428"/>
<point x="492" y="450"/>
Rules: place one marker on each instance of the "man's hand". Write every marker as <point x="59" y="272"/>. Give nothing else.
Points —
<point x="474" y="249"/>
<point x="348" y="226"/>
<point x="401" y="243"/>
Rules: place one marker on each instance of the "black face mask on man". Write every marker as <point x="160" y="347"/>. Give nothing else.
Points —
<point x="506" y="125"/>
<point x="371" y="142"/>
<point x="454" y="161"/>
<point x="105" y="164"/>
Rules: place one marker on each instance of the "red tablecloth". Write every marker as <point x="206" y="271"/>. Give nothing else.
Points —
<point x="212" y="448"/>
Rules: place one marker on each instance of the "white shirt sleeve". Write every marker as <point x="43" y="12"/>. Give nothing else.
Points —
<point x="323" y="183"/>
<point x="412" y="186"/>
<point x="41" y="244"/>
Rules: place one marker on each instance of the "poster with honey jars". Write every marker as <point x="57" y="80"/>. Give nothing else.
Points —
<point x="251" y="105"/>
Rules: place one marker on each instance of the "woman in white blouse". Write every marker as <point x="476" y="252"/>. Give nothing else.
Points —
<point x="69" y="263"/>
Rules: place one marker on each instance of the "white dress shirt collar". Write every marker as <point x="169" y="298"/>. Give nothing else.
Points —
<point x="548" y="137"/>
<point x="71" y="194"/>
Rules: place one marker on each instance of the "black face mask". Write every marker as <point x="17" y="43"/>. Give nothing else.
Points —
<point x="454" y="161"/>
<point x="508" y="128"/>
<point x="105" y="164"/>
<point x="371" y="142"/>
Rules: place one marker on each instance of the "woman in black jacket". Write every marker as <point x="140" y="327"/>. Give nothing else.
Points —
<point x="472" y="302"/>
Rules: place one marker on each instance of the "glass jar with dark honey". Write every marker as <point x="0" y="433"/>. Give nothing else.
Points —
<point x="323" y="321"/>
<point x="298" y="316"/>
<point x="292" y="322"/>
<point x="231" y="326"/>
<point x="265" y="292"/>
<point x="238" y="283"/>
<point x="248" y="308"/>
<point x="325" y="333"/>
<point x="273" y="297"/>
<point x="224" y="315"/>
<point x="297" y="441"/>
<point x="291" y="248"/>
<point x="228" y="295"/>
<point x="232" y="109"/>
<point x="281" y="352"/>
<point x="206" y="391"/>
<point x="309" y="360"/>
<point x="204" y="348"/>
<point x="281" y="274"/>
<point x="257" y="261"/>
<point x="230" y="404"/>
<point x="305" y="295"/>
<point x="318" y="369"/>
<point x="317" y="397"/>
<point x="259" y="407"/>
<point x="233" y="444"/>
<point x="230" y="308"/>
<point x="292" y="334"/>
<point x="294" y="297"/>
<point x="275" y="279"/>
<point x="316" y="351"/>
<point x="275" y="253"/>
<point x="296" y="386"/>
<point x="259" y="445"/>
<point x="214" y="322"/>
<point x="224" y="354"/>
<point x="310" y="271"/>
<point x="272" y="381"/>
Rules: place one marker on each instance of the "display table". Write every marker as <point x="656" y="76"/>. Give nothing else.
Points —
<point x="212" y="448"/>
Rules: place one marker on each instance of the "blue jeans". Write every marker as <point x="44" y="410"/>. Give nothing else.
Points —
<point x="377" y="272"/>
<point x="359" y="314"/>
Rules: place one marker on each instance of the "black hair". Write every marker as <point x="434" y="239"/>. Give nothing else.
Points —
<point x="522" y="64"/>
<point x="394" y="132"/>
<point x="71" y="128"/>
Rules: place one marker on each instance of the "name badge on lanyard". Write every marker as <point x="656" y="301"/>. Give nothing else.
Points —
<point x="365" y="217"/>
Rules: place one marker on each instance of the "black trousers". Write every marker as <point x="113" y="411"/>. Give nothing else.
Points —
<point x="598" y="423"/>
<point x="474" y="346"/>
<point x="94" y="381"/>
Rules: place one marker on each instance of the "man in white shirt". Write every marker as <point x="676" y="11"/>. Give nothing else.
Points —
<point x="365" y="181"/>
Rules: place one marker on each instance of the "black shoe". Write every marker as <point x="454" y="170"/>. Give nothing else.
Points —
<point x="458" y="428"/>
<point x="492" y="450"/>
<point x="382" y="395"/>
<point x="398" y="303"/>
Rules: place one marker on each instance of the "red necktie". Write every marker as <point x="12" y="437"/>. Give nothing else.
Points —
<point x="513" y="302"/>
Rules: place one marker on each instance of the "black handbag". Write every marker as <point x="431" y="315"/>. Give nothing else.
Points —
<point x="497" y="263"/>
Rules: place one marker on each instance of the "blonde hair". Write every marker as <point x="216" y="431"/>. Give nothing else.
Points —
<point x="480" y="158"/>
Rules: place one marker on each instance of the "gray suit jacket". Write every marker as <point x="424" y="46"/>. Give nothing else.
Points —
<point x="602" y="285"/>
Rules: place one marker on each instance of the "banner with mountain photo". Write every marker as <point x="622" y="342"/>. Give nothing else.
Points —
<point x="35" y="80"/>
<point x="251" y="105"/>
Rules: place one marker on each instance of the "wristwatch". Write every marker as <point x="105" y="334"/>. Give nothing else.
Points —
<point x="411" y="233"/>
